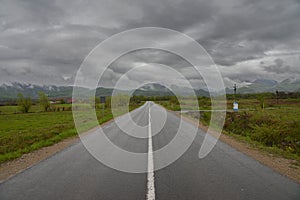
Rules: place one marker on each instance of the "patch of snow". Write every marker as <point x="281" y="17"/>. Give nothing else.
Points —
<point x="30" y="86"/>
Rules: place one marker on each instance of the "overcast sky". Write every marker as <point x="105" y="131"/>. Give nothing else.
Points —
<point x="44" y="42"/>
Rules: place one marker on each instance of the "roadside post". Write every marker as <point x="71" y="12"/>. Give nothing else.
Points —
<point x="102" y="101"/>
<point x="235" y="106"/>
<point x="235" y="103"/>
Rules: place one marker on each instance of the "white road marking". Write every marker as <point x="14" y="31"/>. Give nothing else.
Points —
<point x="150" y="175"/>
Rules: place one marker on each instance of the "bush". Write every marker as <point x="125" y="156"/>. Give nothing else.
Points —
<point x="265" y="128"/>
<point x="44" y="101"/>
<point x="292" y="140"/>
<point x="205" y="118"/>
<point x="24" y="103"/>
<point x="238" y="123"/>
<point x="266" y="135"/>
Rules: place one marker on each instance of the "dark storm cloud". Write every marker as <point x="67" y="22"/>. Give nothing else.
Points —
<point x="247" y="29"/>
<point x="45" y="42"/>
<point x="280" y="67"/>
<point x="175" y="14"/>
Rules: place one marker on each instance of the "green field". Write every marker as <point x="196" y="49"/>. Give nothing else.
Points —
<point x="278" y="129"/>
<point x="274" y="128"/>
<point x="24" y="132"/>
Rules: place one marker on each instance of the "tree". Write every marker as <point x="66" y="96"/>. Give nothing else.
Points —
<point x="44" y="101"/>
<point x="24" y="103"/>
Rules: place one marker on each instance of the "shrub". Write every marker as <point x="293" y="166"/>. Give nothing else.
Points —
<point x="205" y="117"/>
<point x="266" y="135"/>
<point x="238" y="123"/>
<point x="24" y="103"/>
<point x="269" y="129"/>
<point x="44" y="101"/>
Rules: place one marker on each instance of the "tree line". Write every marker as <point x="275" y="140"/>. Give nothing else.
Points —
<point x="25" y="103"/>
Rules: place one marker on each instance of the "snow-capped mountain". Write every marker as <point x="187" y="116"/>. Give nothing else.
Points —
<point x="11" y="90"/>
<point x="265" y="85"/>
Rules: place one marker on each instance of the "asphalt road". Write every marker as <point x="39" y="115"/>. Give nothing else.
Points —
<point x="224" y="174"/>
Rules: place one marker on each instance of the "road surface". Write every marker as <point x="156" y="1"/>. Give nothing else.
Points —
<point x="224" y="174"/>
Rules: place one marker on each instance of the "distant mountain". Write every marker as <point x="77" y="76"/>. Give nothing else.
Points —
<point x="153" y="89"/>
<point x="264" y="85"/>
<point x="289" y="85"/>
<point x="265" y="82"/>
<point x="160" y="90"/>
<point x="11" y="90"/>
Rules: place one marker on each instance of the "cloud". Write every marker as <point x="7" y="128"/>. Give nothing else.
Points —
<point x="279" y="67"/>
<point x="44" y="42"/>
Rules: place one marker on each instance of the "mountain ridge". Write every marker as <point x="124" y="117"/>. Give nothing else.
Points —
<point x="10" y="90"/>
<point x="267" y="85"/>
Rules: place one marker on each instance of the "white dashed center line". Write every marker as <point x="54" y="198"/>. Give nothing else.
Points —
<point x="150" y="175"/>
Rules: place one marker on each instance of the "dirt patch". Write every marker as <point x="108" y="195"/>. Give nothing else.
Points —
<point x="287" y="167"/>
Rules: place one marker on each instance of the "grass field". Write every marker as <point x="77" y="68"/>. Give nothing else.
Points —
<point x="276" y="128"/>
<point x="22" y="133"/>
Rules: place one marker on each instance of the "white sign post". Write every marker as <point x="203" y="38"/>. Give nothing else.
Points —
<point x="235" y="106"/>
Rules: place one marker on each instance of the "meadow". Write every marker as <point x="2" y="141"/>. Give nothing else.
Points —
<point x="274" y="127"/>
<point x="270" y="125"/>
<point x="21" y="133"/>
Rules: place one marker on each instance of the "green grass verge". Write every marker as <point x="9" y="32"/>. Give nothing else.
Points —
<point x="275" y="129"/>
<point x="268" y="149"/>
<point x="24" y="133"/>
